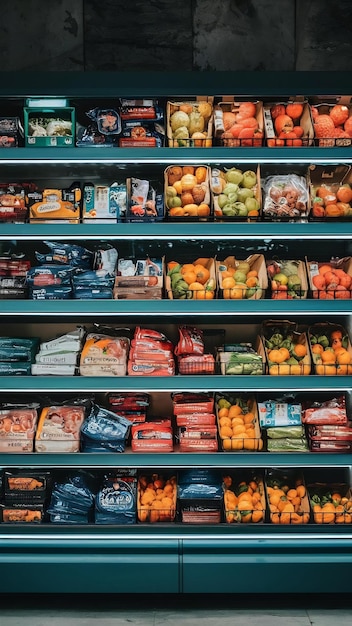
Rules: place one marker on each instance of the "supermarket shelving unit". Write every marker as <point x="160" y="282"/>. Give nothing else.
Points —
<point x="173" y="557"/>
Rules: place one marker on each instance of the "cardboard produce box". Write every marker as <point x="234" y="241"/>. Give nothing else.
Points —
<point x="275" y="137"/>
<point x="234" y="123"/>
<point x="190" y="123"/>
<point x="244" y="497"/>
<point x="331" y="349"/>
<point x="238" y="423"/>
<point x="296" y="286"/>
<point x="145" y="284"/>
<point x="287" y="497"/>
<point x="332" y="122"/>
<point x="242" y="359"/>
<point x="255" y="285"/>
<point x="332" y="284"/>
<point x="330" y="192"/>
<point x="187" y="193"/>
<point x="289" y="356"/>
<point x="236" y="192"/>
<point x="182" y="281"/>
<point x="331" y="503"/>
<point x="156" y="497"/>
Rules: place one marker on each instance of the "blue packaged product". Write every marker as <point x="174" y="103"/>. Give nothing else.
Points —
<point x="116" y="501"/>
<point x="85" y="293"/>
<point x="104" y="429"/>
<point x="20" y="368"/>
<point x="50" y="293"/>
<point x="66" y="254"/>
<point x="50" y="275"/>
<point x="72" y="501"/>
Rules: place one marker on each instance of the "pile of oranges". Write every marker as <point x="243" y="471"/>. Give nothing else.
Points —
<point x="332" y="201"/>
<point x="333" y="359"/>
<point x="239" y="430"/>
<point x="287" y="123"/>
<point x="332" y="283"/>
<point x="244" y="502"/>
<point x="288" y="504"/>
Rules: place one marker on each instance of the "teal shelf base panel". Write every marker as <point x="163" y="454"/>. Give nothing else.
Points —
<point x="139" y="309"/>
<point x="169" y="84"/>
<point x="202" y="156"/>
<point x="123" y="566"/>
<point x="173" y="231"/>
<point x="176" y="460"/>
<point x="266" y="566"/>
<point x="24" y="384"/>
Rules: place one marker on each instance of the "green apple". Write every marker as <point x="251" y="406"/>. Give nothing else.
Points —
<point x="241" y="209"/>
<point x="173" y="202"/>
<point x="240" y="277"/>
<point x="243" y="266"/>
<point x="229" y="210"/>
<point x="249" y="179"/>
<point x="252" y="204"/>
<point x="222" y="200"/>
<point x="234" y="176"/>
<point x="244" y="193"/>
<point x="230" y="188"/>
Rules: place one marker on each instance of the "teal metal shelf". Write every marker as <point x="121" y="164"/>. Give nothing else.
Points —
<point x="171" y="231"/>
<point x="24" y="384"/>
<point x="173" y="308"/>
<point x="177" y="460"/>
<point x="92" y="156"/>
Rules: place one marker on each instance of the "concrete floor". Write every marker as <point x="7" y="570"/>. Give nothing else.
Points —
<point x="144" y="610"/>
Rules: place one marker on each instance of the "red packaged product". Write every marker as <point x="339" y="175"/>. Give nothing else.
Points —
<point x="195" y="419"/>
<point x="330" y="412"/>
<point x="152" y="437"/>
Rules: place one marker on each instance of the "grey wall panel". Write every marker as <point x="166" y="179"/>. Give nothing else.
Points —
<point x="37" y="35"/>
<point x="139" y="35"/>
<point x="244" y="35"/>
<point x="324" y="35"/>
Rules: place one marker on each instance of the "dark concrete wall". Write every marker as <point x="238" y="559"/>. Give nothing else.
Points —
<point x="187" y="35"/>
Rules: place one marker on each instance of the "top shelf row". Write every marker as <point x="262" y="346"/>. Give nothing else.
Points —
<point x="197" y="121"/>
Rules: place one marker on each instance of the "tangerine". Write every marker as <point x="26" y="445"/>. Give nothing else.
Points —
<point x="294" y="110"/>
<point x="344" y="193"/>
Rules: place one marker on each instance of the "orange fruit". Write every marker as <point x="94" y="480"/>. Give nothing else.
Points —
<point x="223" y="412"/>
<point x="324" y="126"/>
<point x="203" y="210"/>
<point x="189" y="277"/>
<point x="300" y="350"/>
<point x="328" y="356"/>
<point x="246" y="110"/>
<point x="235" y="410"/>
<point x="283" y="123"/>
<point x="344" y="193"/>
<point x="224" y="421"/>
<point x="343" y="358"/>
<point x="339" y="114"/>
<point x="317" y="348"/>
<point x="225" y="432"/>
<point x="294" y="110"/>
<point x="202" y="274"/>
<point x="228" y="282"/>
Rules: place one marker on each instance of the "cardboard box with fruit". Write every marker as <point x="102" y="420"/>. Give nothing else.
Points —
<point x="286" y="349"/>
<point x="238" y="423"/>
<point x="331" y="349"/>
<point x="287" y="497"/>
<point x="330" y="280"/>
<point x="288" y="124"/>
<point x="241" y="359"/>
<point x="187" y="193"/>
<point x="190" y="124"/>
<point x="156" y="497"/>
<point x="236" y="192"/>
<point x="330" y="191"/>
<point x="239" y="280"/>
<point x="244" y="497"/>
<point x="139" y="280"/>
<point x="332" y="122"/>
<point x="238" y="124"/>
<point x="331" y="503"/>
<point x="191" y="281"/>
<point x="287" y="279"/>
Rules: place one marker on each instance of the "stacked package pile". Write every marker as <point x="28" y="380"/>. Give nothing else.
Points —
<point x="131" y="405"/>
<point x="59" y="427"/>
<point x="25" y="495"/>
<point x="116" y="500"/>
<point x="190" y="353"/>
<point x="328" y="427"/>
<point x="52" y="278"/>
<point x="200" y="496"/>
<point x="151" y="354"/>
<point x="58" y="357"/>
<point x="282" y="421"/>
<point x="13" y="276"/>
<point x="17" y="355"/>
<point x="153" y="436"/>
<point x="17" y="426"/>
<point x="72" y="499"/>
<point x="195" y="419"/>
<point x="97" y="281"/>
<point x="104" y="431"/>
<point x="104" y="354"/>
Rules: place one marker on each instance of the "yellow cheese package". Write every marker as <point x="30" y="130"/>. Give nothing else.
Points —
<point x="56" y="204"/>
